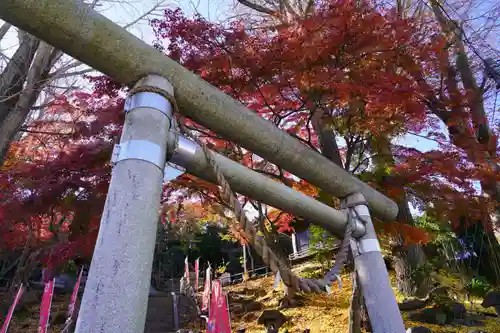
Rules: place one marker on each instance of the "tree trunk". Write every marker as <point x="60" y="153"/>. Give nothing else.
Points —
<point x="271" y="238"/>
<point x="356" y="304"/>
<point x="358" y="314"/>
<point x="15" y="73"/>
<point x="326" y="138"/>
<point x="4" y="29"/>
<point x="80" y="223"/>
<point x="18" y="275"/>
<point x="365" y="319"/>
<point x="252" y="264"/>
<point x="292" y="285"/>
<point x="245" y="267"/>
<point x="14" y="117"/>
<point x="290" y="290"/>
<point x="478" y="140"/>
<point x="408" y="261"/>
<point x="268" y="255"/>
<point x="411" y="278"/>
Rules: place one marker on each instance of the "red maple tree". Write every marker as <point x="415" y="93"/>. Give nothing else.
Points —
<point x="54" y="182"/>
<point x="350" y="68"/>
<point x="341" y="65"/>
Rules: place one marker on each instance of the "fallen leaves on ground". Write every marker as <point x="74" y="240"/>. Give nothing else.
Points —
<point x="319" y="312"/>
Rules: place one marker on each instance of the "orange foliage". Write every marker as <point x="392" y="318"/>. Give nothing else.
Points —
<point x="409" y="234"/>
<point x="281" y="220"/>
<point x="304" y="187"/>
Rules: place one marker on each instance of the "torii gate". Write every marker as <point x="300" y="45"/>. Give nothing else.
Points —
<point x="115" y="298"/>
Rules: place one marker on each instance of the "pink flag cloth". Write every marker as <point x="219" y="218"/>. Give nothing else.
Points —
<point x="6" y="323"/>
<point x="205" y="300"/>
<point x="223" y="322"/>
<point x="48" y="292"/>
<point x="218" y="318"/>
<point x="186" y="268"/>
<point x="196" y="273"/>
<point x="74" y="295"/>
<point x="212" y="315"/>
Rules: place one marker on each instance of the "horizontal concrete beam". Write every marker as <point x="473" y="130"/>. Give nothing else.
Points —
<point x="93" y="39"/>
<point x="260" y="187"/>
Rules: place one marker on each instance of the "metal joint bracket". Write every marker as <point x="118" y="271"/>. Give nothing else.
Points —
<point x="184" y="150"/>
<point x="115" y="154"/>
<point x="172" y="171"/>
<point x="368" y="245"/>
<point x="150" y="100"/>
<point x="138" y="150"/>
<point x="362" y="210"/>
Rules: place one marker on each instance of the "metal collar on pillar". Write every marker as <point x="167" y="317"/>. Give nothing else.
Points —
<point x="150" y="100"/>
<point x="144" y="150"/>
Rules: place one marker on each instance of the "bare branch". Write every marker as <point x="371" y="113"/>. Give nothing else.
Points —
<point x="155" y="7"/>
<point x="289" y="8"/>
<point x="60" y="74"/>
<point x="43" y="132"/>
<point x="4" y="29"/>
<point x="309" y="8"/>
<point x="257" y="7"/>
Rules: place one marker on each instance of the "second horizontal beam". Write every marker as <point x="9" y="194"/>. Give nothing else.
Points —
<point x="261" y="188"/>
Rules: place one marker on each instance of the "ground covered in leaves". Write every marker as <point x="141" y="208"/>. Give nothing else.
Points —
<point x="319" y="312"/>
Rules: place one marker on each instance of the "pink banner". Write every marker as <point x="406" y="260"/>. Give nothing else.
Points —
<point x="196" y="273"/>
<point x="48" y="292"/>
<point x="212" y="315"/>
<point x="186" y="268"/>
<point x="205" y="300"/>
<point x="218" y="319"/>
<point x="74" y="295"/>
<point x="6" y="323"/>
<point x="223" y="321"/>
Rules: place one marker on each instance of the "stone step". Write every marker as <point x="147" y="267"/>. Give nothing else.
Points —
<point x="160" y="314"/>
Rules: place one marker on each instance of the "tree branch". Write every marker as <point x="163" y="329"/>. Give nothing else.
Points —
<point x="289" y="9"/>
<point x="43" y="132"/>
<point x="61" y="74"/>
<point x="309" y="8"/>
<point x="155" y="7"/>
<point x="3" y="30"/>
<point x="258" y="8"/>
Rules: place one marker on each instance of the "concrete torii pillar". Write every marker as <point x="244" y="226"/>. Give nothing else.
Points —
<point x="117" y="288"/>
